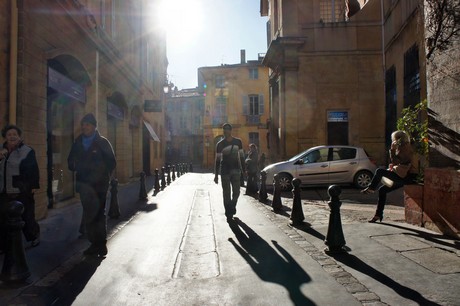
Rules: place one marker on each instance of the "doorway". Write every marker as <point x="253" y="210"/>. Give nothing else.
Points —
<point x="337" y="128"/>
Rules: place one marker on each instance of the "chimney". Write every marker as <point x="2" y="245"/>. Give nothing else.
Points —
<point x="243" y="56"/>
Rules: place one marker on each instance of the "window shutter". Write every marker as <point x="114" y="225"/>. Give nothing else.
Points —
<point x="245" y="105"/>
<point x="261" y="104"/>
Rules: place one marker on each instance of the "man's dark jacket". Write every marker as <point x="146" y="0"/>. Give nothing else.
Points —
<point x="92" y="167"/>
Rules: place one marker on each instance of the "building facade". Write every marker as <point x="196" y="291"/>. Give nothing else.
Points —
<point x="326" y="75"/>
<point x="184" y="127"/>
<point x="67" y="58"/>
<point x="236" y="94"/>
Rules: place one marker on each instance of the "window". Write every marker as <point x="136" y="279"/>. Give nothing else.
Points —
<point x="343" y="153"/>
<point x="390" y="104"/>
<point x="316" y="156"/>
<point x="253" y="73"/>
<point x="183" y="122"/>
<point x="411" y="77"/>
<point x="332" y="10"/>
<point x="114" y="14"/>
<point x="254" y="138"/>
<point x="220" y="81"/>
<point x="102" y="13"/>
<point x="253" y="108"/>
<point x="253" y="105"/>
<point x="220" y="111"/>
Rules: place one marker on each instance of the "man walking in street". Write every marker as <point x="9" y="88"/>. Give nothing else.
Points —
<point x="93" y="160"/>
<point x="229" y="152"/>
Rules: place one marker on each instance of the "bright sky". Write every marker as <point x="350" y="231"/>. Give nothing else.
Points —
<point x="210" y="33"/>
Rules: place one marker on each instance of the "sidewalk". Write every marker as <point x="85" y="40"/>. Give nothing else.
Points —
<point x="60" y="248"/>
<point x="389" y="263"/>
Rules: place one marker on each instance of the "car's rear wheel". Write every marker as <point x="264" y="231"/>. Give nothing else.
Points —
<point x="362" y="179"/>
<point x="285" y="181"/>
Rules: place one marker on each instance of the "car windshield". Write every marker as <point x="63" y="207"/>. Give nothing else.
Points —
<point x="298" y="156"/>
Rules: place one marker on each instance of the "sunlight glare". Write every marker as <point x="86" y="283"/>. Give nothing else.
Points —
<point x="182" y="20"/>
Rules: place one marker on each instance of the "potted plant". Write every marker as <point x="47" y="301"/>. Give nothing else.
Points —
<point x="414" y="122"/>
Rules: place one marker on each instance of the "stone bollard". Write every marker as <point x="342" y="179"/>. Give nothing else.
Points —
<point x="297" y="215"/>
<point x="156" y="184"/>
<point x="335" y="240"/>
<point x="173" y="173"/>
<point x="142" y="189"/>
<point x="263" y="189"/>
<point x="114" y="210"/>
<point x="163" y="178"/>
<point x="15" y="266"/>
<point x="168" y="175"/>
<point x="276" y="203"/>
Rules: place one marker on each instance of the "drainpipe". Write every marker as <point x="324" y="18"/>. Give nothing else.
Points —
<point x="96" y="111"/>
<point x="382" y="14"/>
<point x="13" y="62"/>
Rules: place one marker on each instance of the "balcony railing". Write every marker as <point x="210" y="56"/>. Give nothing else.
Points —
<point x="252" y="119"/>
<point x="219" y="120"/>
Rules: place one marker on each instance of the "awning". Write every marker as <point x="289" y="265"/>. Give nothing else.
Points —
<point x="151" y="131"/>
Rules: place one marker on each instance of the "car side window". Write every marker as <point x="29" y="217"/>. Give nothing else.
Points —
<point x="316" y="156"/>
<point x="343" y="153"/>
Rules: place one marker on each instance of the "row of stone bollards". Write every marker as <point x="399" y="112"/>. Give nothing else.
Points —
<point x="335" y="240"/>
<point x="163" y="177"/>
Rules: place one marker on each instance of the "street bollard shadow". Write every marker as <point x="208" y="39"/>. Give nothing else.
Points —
<point x="148" y="207"/>
<point x="268" y="264"/>
<point x="306" y="227"/>
<point x="403" y="291"/>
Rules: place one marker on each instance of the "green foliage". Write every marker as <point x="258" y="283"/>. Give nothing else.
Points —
<point x="414" y="122"/>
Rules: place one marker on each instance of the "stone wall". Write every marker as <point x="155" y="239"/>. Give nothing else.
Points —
<point x="435" y="204"/>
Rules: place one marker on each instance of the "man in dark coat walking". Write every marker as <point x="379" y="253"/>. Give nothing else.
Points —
<point x="93" y="160"/>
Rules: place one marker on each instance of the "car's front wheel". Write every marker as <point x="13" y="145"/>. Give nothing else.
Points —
<point x="285" y="182"/>
<point x="362" y="179"/>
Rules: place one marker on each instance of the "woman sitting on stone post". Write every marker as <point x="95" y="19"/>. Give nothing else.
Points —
<point x="402" y="170"/>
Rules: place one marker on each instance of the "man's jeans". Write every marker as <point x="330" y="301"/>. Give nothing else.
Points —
<point x="232" y="179"/>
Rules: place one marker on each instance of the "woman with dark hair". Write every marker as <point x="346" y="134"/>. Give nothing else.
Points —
<point x="19" y="178"/>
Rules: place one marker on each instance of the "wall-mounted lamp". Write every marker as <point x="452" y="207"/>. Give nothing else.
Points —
<point x="167" y="87"/>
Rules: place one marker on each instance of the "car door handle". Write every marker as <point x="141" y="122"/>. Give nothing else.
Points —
<point x="323" y="166"/>
<point x="353" y="163"/>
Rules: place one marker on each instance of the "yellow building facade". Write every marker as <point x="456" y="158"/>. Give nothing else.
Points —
<point x="237" y="94"/>
<point x="63" y="59"/>
<point x="326" y="75"/>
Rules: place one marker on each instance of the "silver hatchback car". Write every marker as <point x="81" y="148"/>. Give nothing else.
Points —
<point x="324" y="165"/>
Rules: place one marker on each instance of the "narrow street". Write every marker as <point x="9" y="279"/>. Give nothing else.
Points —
<point x="178" y="249"/>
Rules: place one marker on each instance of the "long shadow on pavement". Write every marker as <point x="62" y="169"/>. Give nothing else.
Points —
<point x="268" y="264"/>
<point x="65" y="291"/>
<point x="358" y="265"/>
<point x="435" y="238"/>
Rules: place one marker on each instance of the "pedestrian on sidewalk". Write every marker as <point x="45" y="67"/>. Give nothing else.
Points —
<point x="93" y="160"/>
<point x="19" y="178"/>
<point x="229" y="163"/>
<point x="402" y="170"/>
<point x="252" y="169"/>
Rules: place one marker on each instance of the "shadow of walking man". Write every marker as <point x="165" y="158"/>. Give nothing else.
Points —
<point x="269" y="265"/>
